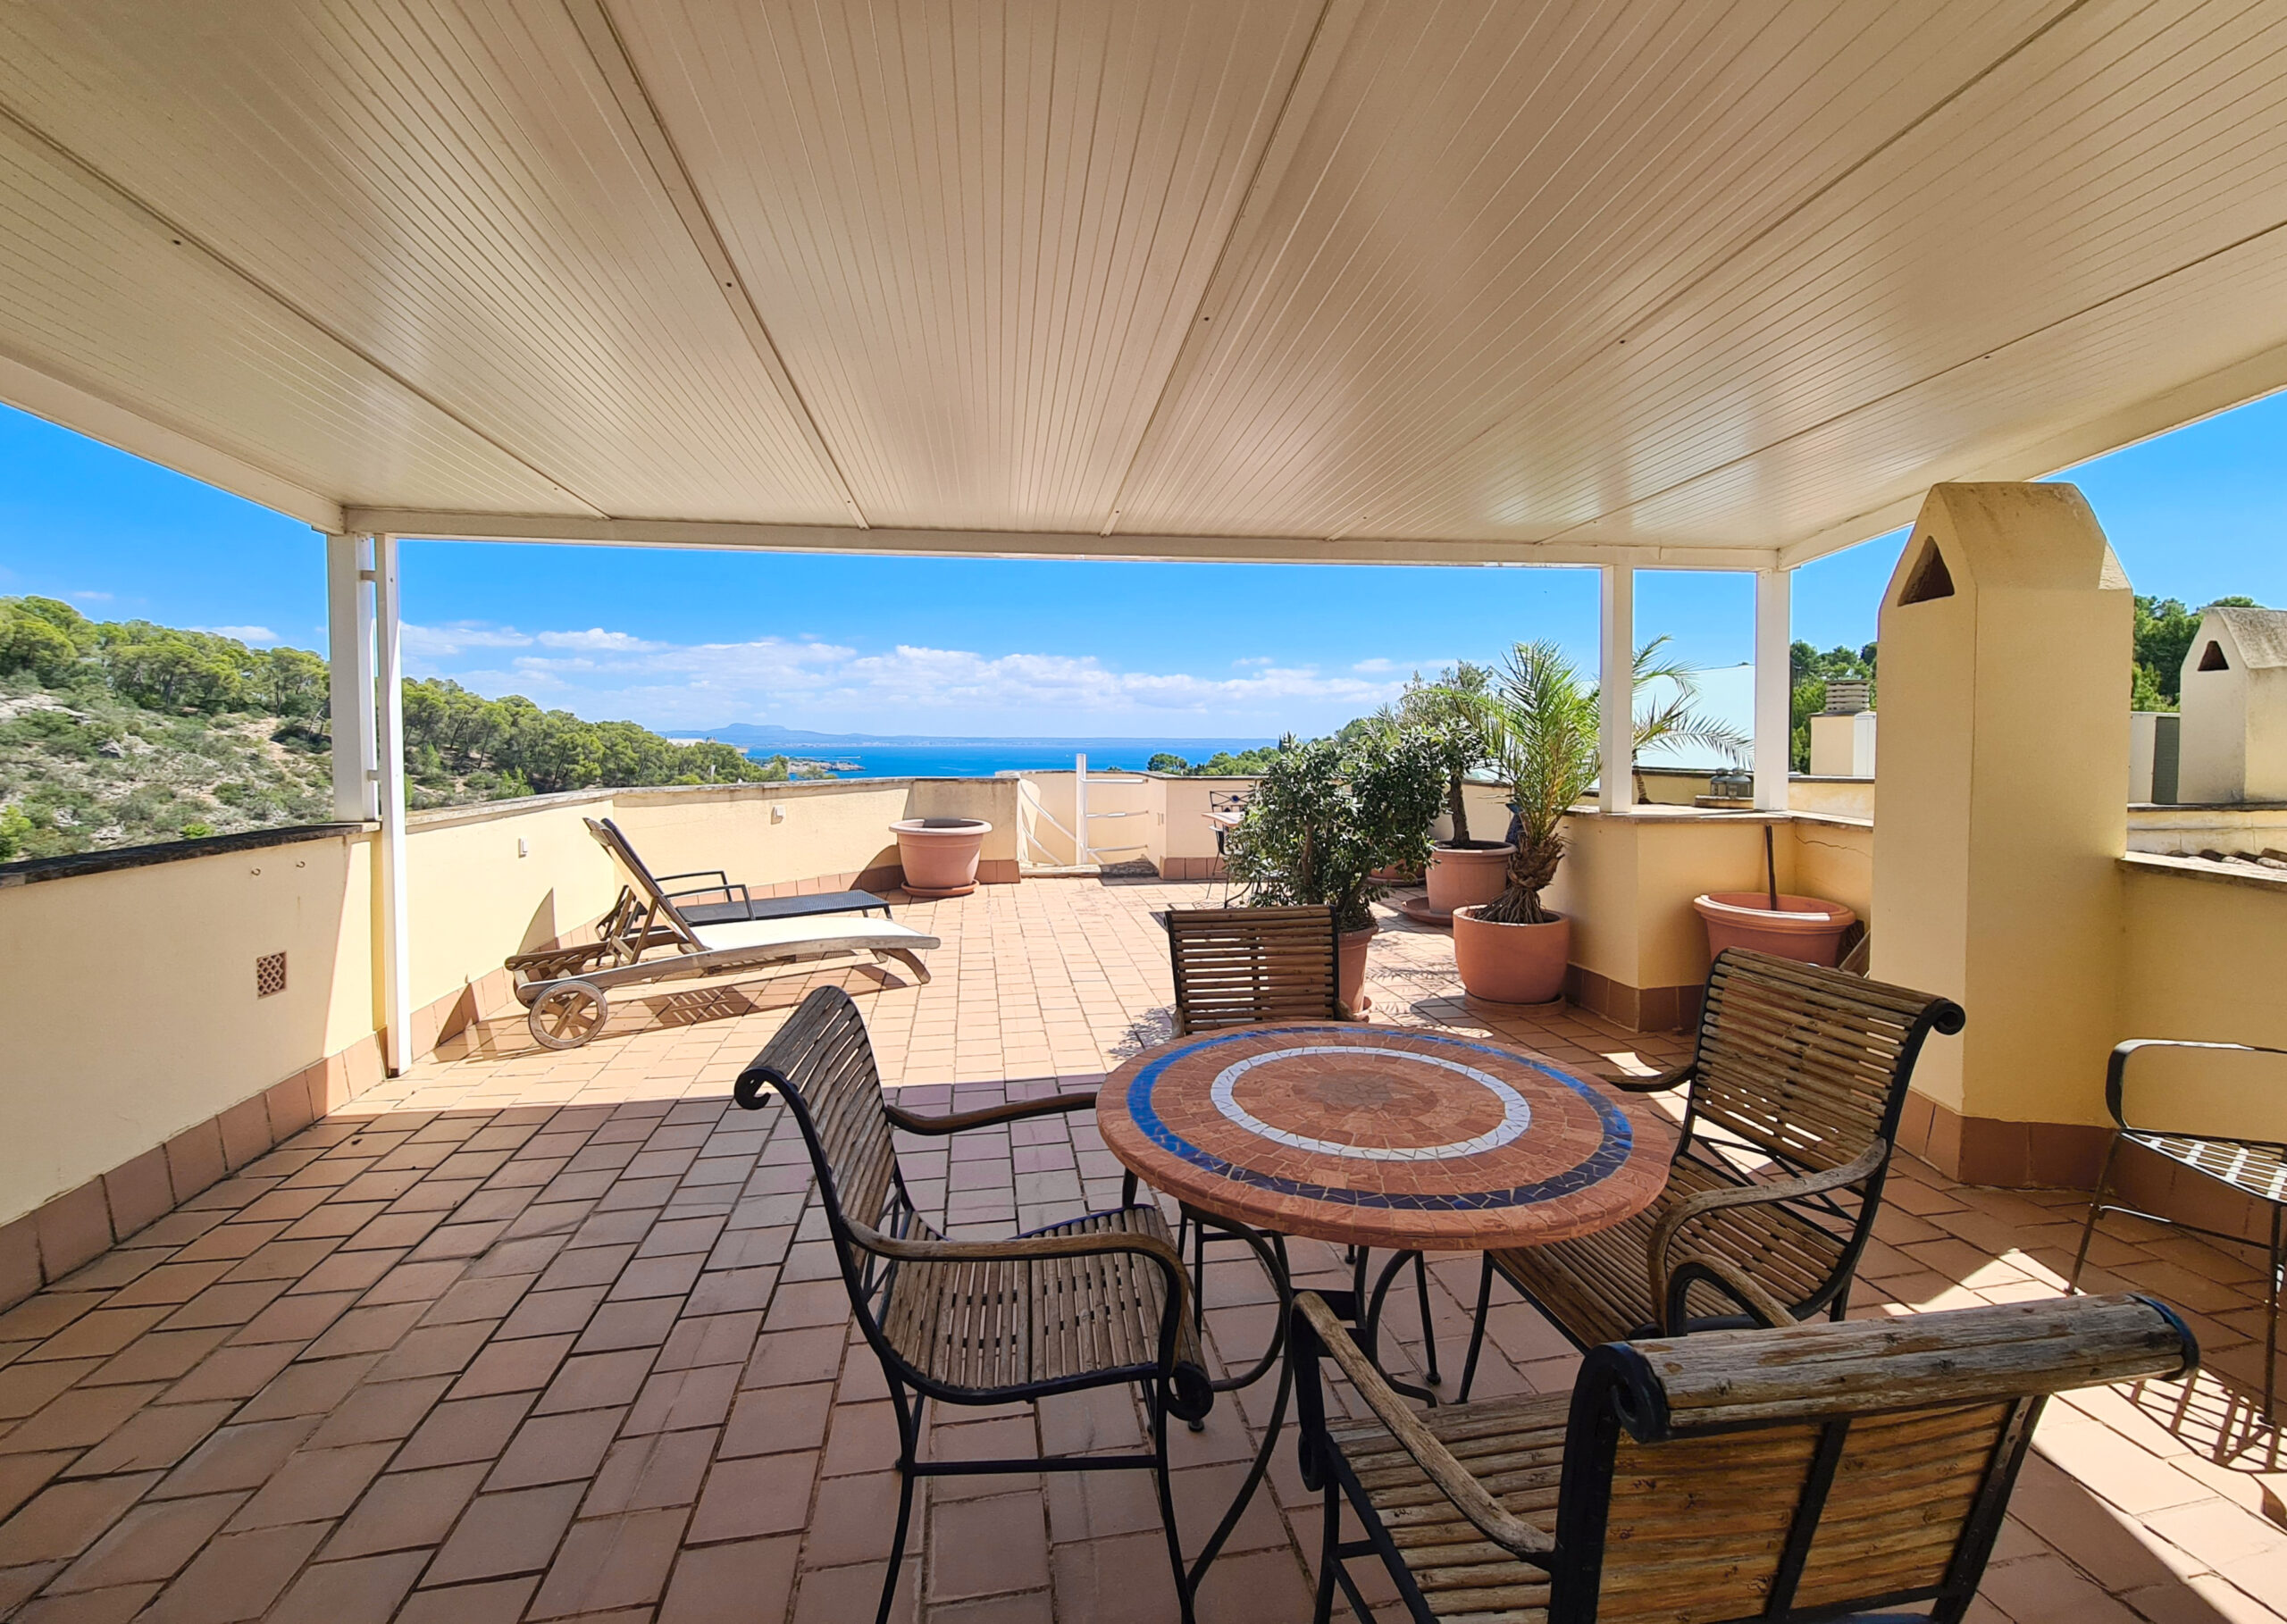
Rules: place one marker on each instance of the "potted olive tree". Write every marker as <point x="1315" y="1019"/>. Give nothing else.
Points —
<point x="1324" y="817"/>
<point x="1541" y="727"/>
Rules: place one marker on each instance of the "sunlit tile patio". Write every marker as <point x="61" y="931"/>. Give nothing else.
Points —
<point x="540" y="1336"/>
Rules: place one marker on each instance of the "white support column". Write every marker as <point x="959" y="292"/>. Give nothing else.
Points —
<point x="1616" y="689"/>
<point x="397" y="959"/>
<point x="1774" y="686"/>
<point x="349" y="657"/>
<point x="1079" y="809"/>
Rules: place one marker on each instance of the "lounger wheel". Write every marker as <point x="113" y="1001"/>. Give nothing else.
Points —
<point x="568" y="1014"/>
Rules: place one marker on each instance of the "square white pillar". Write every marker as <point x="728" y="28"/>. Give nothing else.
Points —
<point x="1616" y="689"/>
<point x="349" y="663"/>
<point x="1774" y="685"/>
<point x="389" y="703"/>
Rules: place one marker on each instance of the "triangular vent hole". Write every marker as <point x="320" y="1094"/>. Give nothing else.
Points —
<point x="1931" y="577"/>
<point x="2211" y="658"/>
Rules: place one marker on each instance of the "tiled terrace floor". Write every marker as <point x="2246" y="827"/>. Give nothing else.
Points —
<point x="542" y="1336"/>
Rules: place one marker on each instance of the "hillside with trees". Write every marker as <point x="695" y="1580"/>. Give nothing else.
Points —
<point x="123" y="733"/>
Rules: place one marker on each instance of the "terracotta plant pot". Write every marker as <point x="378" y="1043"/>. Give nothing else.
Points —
<point x="1350" y="967"/>
<point x="1462" y="875"/>
<point x="940" y="854"/>
<point x="1803" y="928"/>
<point x="1512" y="964"/>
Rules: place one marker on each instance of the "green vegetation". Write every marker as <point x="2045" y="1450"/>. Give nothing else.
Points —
<point x="1330" y="812"/>
<point x="122" y="732"/>
<point x="2165" y="629"/>
<point x="1809" y="674"/>
<point x="1222" y="764"/>
<point x="1542" y="726"/>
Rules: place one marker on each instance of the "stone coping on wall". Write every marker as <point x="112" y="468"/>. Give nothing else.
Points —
<point x="31" y="871"/>
<point x="2201" y="868"/>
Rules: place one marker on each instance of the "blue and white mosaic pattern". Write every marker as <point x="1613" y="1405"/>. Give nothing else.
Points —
<point x="1516" y="1115"/>
<point x="1612" y="1152"/>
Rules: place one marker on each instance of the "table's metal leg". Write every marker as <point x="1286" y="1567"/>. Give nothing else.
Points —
<point x="1272" y="1252"/>
<point x="1369" y="1318"/>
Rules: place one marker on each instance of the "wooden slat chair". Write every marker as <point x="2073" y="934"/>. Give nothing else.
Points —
<point x="1096" y="1301"/>
<point x="1798" y="1080"/>
<point x="1241" y="966"/>
<point x="1804" y="1472"/>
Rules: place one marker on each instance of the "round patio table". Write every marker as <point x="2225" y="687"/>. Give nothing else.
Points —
<point x="1373" y="1137"/>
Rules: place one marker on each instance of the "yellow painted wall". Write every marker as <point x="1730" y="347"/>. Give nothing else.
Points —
<point x="2202" y="961"/>
<point x="128" y="1010"/>
<point x="2005" y="748"/>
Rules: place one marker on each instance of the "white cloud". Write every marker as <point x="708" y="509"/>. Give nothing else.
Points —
<point x="90" y="596"/>
<point x="1375" y="667"/>
<point x="245" y="634"/>
<point x="600" y="673"/>
<point x="1259" y="659"/>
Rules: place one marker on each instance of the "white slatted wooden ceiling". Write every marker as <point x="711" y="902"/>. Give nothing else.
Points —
<point x="1457" y="279"/>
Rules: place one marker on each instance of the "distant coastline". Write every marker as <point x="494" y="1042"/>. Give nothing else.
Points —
<point x="920" y="755"/>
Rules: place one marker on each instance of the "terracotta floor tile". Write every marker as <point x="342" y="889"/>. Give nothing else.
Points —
<point x="501" y="1602"/>
<point x="242" y="1456"/>
<point x="589" y="1380"/>
<point x="77" y="1417"/>
<point x="113" y="1606"/>
<point x="656" y="1469"/>
<point x="235" y="1577"/>
<point x="611" y="1562"/>
<point x="232" y="1372"/>
<point x="749" y="1582"/>
<point x="556" y="1449"/>
<point x="517" y="1532"/>
<point x="675" y="1400"/>
<point x="770" y="1420"/>
<point x="62" y="1521"/>
<point x="364" y="1591"/>
<point x="404" y="1510"/>
<point x="520" y="1365"/>
<point x="747" y="1499"/>
<point x="466" y="1429"/>
<point x="151" y="1541"/>
<point x="314" y="1486"/>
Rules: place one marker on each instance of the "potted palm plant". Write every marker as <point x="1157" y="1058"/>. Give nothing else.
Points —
<point x="1541" y="729"/>
<point x="1324" y="817"/>
<point x="1462" y="872"/>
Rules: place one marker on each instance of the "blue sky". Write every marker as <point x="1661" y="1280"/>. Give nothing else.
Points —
<point x="989" y="647"/>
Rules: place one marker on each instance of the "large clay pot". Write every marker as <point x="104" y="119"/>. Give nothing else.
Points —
<point x="1804" y="927"/>
<point x="1350" y="967"/>
<point x="1512" y="964"/>
<point x="1463" y="875"/>
<point x="940" y="854"/>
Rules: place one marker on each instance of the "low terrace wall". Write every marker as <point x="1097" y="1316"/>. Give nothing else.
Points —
<point x="143" y="1059"/>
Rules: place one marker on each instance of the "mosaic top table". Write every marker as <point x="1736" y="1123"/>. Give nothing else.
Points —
<point x="1371" y="1137"/>
<point x="1379" y="1136"/>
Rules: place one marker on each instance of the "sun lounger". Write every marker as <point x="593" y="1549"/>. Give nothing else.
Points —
<point x="721" y="898"/>
<point x="649" y="936"/>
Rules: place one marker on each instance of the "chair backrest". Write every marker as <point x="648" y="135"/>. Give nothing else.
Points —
<point x="1822" y="1467"/>
<point x="1807" y="1064"/>
<point x="821" y="1063"/>
<point x="661" y="908"/>
<point x="1237" y="966"/>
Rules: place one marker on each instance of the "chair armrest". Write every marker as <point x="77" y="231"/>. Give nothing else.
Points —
<point x="727" y="888"/>
<point x="719" y="876"/>
<point x="1015" y="1110"/>
<point x="1673" y="1077"/>
<point x="1453" y="1480"/>
<point x="1863" y="1165"/>
<point x="1728" y="1276"/>
<point x="2117" y="1068"/>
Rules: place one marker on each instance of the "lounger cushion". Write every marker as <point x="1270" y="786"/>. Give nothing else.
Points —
<point x="793" y="934"/>
<point x="781" y="907"/>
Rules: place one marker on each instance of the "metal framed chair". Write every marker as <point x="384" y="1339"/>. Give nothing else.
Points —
<point x="1796" y="1473"/>
<point x="1248" y="966"/>
<point x="1225" y="808"/>
<point x="1797" y="1081"/>
<point x="2254" y="1166"/>
<point x="1096" y="1301"/>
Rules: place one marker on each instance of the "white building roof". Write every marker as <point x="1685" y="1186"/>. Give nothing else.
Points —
<point x="1307" y="279"/>
<point x="2260" y="635"/>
